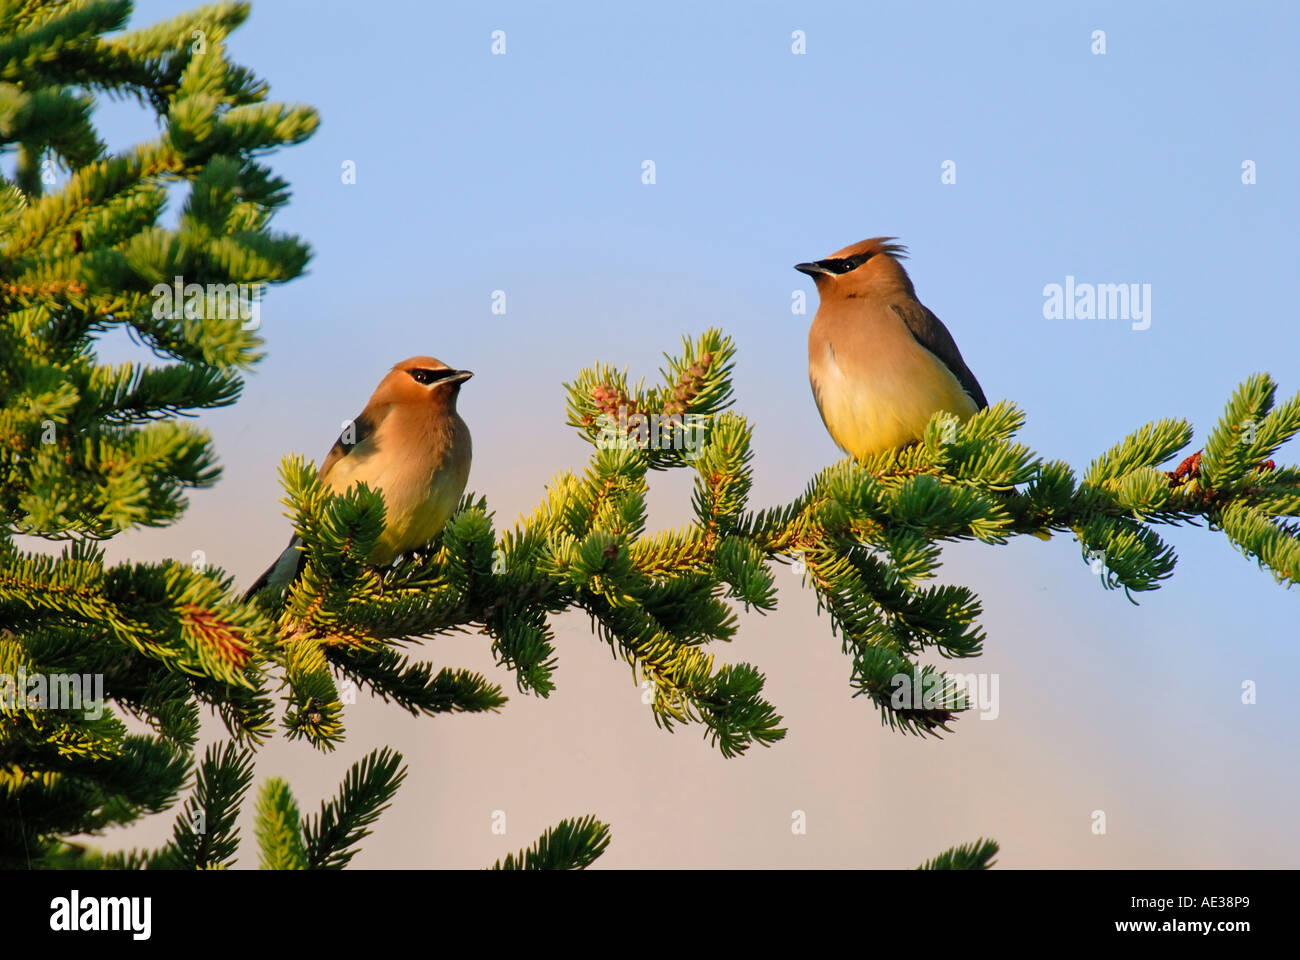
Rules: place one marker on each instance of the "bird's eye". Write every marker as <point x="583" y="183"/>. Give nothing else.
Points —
<point x="422" y="376"/>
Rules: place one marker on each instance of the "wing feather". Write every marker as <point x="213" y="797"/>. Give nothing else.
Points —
<point x="930" y="333"/>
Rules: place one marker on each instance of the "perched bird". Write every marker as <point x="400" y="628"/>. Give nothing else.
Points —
<point x="881" y="364"/>
<point x="411" y="444"/>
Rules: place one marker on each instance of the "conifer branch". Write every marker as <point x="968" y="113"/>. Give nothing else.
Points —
<point x="89" y="450"/>
<point x="968" y="856"/>
<point x="866" y="537"/>
<point x="569" y="845"/>
<point x="280" y="838"/>
<point x="332" y="835"/>
<point x="205" y="836"/>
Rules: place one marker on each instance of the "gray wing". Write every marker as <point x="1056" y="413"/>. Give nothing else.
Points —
<point x="930" y="333"/>
<point x="363" y="425"/>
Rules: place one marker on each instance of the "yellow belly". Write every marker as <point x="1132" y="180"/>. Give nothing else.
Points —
<point x="417" y="505"/>
<point x="414" y="522"/>
<point x="886" y="405"/>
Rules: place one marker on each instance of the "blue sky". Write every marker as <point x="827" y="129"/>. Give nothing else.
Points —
<point x="523" y="173"/>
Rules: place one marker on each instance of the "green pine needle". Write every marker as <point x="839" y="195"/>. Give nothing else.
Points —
<point x="569" y="845"/>
<point x="968" y="856"/>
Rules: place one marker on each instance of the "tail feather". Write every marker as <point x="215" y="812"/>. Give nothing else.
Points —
<point x="283" y="573"/>
<point x="259" y="583"/>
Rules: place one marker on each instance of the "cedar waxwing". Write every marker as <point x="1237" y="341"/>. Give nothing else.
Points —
<point x="881" y="364"/>
<point x="411" y="444"/>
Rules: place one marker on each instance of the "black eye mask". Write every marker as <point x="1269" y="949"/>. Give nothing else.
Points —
<point x="845" y="264"/>
<point x="426" y="376"/>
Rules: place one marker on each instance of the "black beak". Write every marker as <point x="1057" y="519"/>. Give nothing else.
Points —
<point x="460" y="376"/>
<point x="812" y="269"/>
